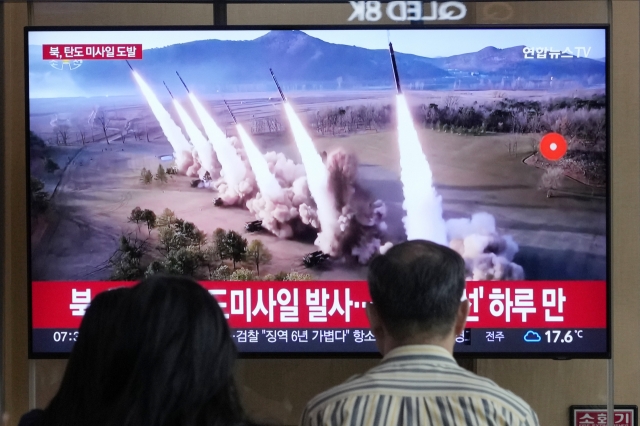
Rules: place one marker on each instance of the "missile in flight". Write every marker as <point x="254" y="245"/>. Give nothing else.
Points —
<point x="395" y="68"/>
<point x="183" y="83"/>
<point x="167" y="87"/>
<point x="229" y="109"/>
<point x="277" y="85"/>
<point x="129" y="64"/>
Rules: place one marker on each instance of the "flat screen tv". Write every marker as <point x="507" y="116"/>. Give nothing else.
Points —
<point x="272" y="164"/>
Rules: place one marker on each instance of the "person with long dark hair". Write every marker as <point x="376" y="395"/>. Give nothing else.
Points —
<point x="80" y="395"/>
<point x="175" y="360"/>
<point x="165" y="359"/>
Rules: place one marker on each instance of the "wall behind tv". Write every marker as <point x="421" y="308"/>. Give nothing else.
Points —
<point x="278" y="389"/>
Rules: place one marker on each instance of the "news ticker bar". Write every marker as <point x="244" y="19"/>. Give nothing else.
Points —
<point x="344" y="340"/>
<point x="342" y="304"/>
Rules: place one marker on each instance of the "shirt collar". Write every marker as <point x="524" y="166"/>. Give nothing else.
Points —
<point x="419" y="352"/>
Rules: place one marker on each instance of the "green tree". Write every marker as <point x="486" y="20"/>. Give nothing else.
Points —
<point x="170" y="240"/>
<point x="126" y="269"/>
<point x="211" y="258"/>
<point x="126" y="261"/>
<point x="191" y="232"/>
<point x="161" y="174"/>
<point x="136" y="215"/>
<point x="242" y="274"/>
<point x="155" y="267"/>
<point x="167" y="218"/>
<point x="258" y="254"/>
<point x="146" y="176"/>
<point x="39" y="197"/>
<point x="50" y="166"/>
<point x="183" y="262"/>
<point x="221" y="273"/>
<point x="298" y="276"/>
<point x="175" y="233"/>
<point x="199" y="237"/>
<point x="149" y="217"/>
<point x="37" y="146"/>
<point x="235" y="247"/>
<point x="280" y="276"/>
<point x="218" y="242"/>
<point x="36" y="141"/>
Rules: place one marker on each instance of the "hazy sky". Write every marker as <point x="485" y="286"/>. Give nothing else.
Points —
<point x="422" y="42"/>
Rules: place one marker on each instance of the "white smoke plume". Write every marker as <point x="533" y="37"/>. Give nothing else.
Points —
<point x="234" y="170"/>
<point x="422" y="203"/>
<point x="361" y="220"/>
<point x="181" y="147"/>
<point x="301" y="194"/>
<point x="487" y="254"/>
<point x="385" y="247"/>
<point x="206" y="156"/>
<point x="237" y="187"/>
<point x="282" y="192"/>
<point x="267" y="183"/>
<point x="284" y="169"/>
<point x="349" y="223"/>
<point x="275" y="216"/>
<point x="317" y="179"/>
<point x="184" y="161"/>
<point x="309" y="215"/>
<point x="367" y="221"/>
<point x="193" y="170"/>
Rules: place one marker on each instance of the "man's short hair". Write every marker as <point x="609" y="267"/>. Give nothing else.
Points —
<point x="416" y="287"/>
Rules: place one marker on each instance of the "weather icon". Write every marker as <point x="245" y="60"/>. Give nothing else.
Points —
<point x="532" y="337"/>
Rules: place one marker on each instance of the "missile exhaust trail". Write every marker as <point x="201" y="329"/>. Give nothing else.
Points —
<point x="277" y="85"/>
<point x="232" y="165"/>
<point x="181" y="147"/>
<point x="395" y="68"/>
<point x="183" y="83"/>
<point x="422" y="203"/>
<point x="229" y="109"/>
<point x="167" y="87"/>
<point x="129" y="64"/>
<point x="317" y="179"/>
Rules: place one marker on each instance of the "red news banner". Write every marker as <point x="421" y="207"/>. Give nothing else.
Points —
<point x="341" y="304"/>
<point x="58" y="52"/>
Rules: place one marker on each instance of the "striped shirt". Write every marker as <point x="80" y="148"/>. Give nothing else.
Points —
<point x="418" y="385"/>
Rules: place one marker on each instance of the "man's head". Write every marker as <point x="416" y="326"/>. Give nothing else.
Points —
<point x="416" y="289"/>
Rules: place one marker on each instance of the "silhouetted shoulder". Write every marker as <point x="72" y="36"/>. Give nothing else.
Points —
<point x="32" y="418"/>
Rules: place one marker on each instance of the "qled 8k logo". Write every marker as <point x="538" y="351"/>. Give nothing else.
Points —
<point x="372" y="11"/>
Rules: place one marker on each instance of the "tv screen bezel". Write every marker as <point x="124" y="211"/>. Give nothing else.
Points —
<point x="346" y="355"/>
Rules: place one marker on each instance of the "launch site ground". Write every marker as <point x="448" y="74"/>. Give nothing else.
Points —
<point x="562" y="237"/>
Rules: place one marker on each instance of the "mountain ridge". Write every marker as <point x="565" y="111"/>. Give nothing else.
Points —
<point x="304" y="62"/>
